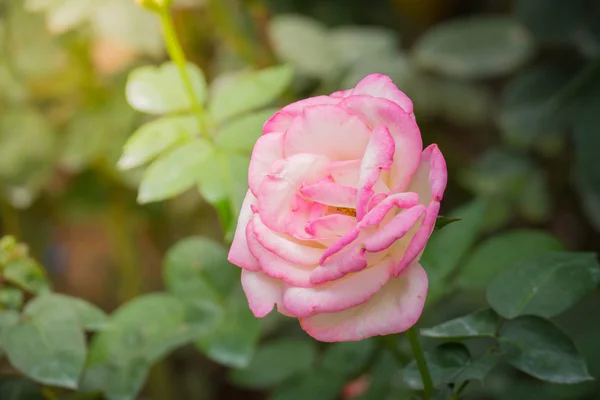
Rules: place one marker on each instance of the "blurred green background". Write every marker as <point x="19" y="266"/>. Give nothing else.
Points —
<point x="510" y="91"/>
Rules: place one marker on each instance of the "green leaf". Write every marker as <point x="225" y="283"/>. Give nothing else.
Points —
<point x="11" y="298"/>
<point x="480" y="324"/>
<point x="19" y="389"/>
<point x="47" y="344"/>
<point x="156" y="137"/>
<point x="537" y="347"/>
<point x="140" y="333"/>
<point x="348" y="358"/>
<point x="441" y="222"/>
<point x="451" y="363"/>
<point x="275" y="362"/>
<point x="241" y="134"/>
<point x="174" y="172"/>
<point x="353" y="43"/>
<point x="304" y="43"/>
<point x="552" y="19"/>
<point x="89" y="316"/>
<point x="197" y="271"/>
<point x="544" y="285"/>
<point x="161" y="90"/>
<point x="502" y="251"/>
<point x="447" y="247"/>
<point x="474" y="47"/>
<point x="8" y="318"/>
<point x="27" y="274"/>
<point x="249" y="91"/>
<point x="313" y="385"/>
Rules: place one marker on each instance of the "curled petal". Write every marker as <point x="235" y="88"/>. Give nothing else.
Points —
<point x="339" y="295"/>
<point x="378" y="85"/>
<point x="402" y="127"/>
<point x="328" y="130"/>
<point x="393" y="309"/>
<point x="345" y="172"/>
<point x="239" y="254"/>
<point x="399" y="226"/>
<point x="267" y="150"/>
<point x="278" y="189"/>
<point x="378" y="155"/>
<point x="332" y="225"/>
<point x="331" y="194"/>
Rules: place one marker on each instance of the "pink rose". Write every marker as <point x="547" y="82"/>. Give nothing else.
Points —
<point x="342" y="201"/>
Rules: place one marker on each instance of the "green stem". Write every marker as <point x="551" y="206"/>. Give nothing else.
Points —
<point x="413" y="338"/>
<point x="178" y="57"/>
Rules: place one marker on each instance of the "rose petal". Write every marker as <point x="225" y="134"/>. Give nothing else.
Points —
<point x="382" y="86"/>
<point x="331" y="194"/>
<point x="378" y="155"/>
<point x="337" y="296"/>
<point x="267" y="150"/>
<point x="328" y="130"/>
<point x="278" y="189"/>
<point x="239" y="254"/>
<point x="396" y="229"/>
<point x="402" y="127"/>
<point x="332" y="225"/>
<point x="262" y="292"/>
<point x="393" y="309"/>
<point x="281" y="121"/>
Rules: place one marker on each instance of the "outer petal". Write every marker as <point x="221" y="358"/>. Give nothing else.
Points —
<point x="429" y="181"/>
<point x="281" y="121"/>
<point x="378" y="85"/>
<point x="278" y="189"/>
<point x="337" y="296"/>
<point x="403" y="128"/>
<point x="267" y="150"/>
<point x="378" y="155"/>
<point x="263" y="292"/>
<point x="328" y="130"/>
<point x="393" y="309"/>
<point x="239" y="254"/>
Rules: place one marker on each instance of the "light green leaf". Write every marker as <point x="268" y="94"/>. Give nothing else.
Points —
<point x="8" y="318"/>
<point x="211" y="177"/>
<point x="174" y="172"/>
<point x="275" y="362"/>
<point x="67" y="14"/>
<point x="197" y="271"/>
<point x="537" y="347"/>
<point x="140" y="333"/>
<point x="47" y="345"/>
<point x="11" y="298"/>
<point x="89" y="316"/>
<point x="241" y="134"/>
<point x="501" y="251"/>
<point x="156" y="137"/>
<point x="161" y="90"/>
<point x="27" y="274"/>
<point x="544" y="285"/>
<point x="353" y="43"/>
<point x="249" y="91"/>
<point x="474" y="47"/>
<point x="304" y="43"/>
<point x="480" y="324"/>
<point x="396" y="66"/>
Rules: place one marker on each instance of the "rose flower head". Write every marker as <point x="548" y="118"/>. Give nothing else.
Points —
<point x="342" y="201"/>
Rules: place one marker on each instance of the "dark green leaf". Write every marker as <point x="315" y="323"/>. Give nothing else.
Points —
<point x="474" y="47"/>
<point x="544" y="285"/>
<point x="275" y="362"/>
<point x="346" y="359"/>
<point x="47" y="344"/>
<point x="161" y="90"/>
<point x="249" y="91"/>
<point x="441" y="222"/>
<point x="19" y="389"/>
<point x="155" y="137"/>
<point x="316" y="385"/>
<point x="537" y="347"/>
<point x="502" y="251"/>
<point x="174" y="172"/>
<point x="481" y="324"/>
<point x="552" y="19"/>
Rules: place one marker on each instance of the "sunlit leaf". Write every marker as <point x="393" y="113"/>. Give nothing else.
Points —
<point x="241" y="134"/>
<point x="161" y="90"/>
<point x="355" y="42"/>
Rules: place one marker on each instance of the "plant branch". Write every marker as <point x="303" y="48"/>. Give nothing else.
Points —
<point x="413" y="338"/>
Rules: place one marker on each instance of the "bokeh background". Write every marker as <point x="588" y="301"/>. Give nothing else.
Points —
<point x="510" y="90"/>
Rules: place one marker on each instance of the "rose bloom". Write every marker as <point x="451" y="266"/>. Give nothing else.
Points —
<point x="342" y="201"/>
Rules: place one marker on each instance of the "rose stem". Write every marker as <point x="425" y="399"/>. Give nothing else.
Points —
<point x="413" y="338"/>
